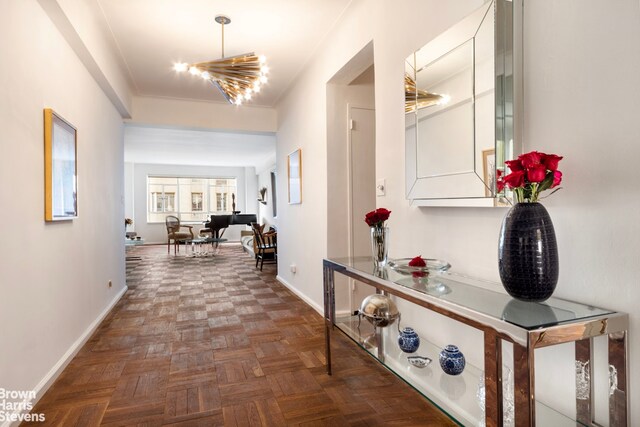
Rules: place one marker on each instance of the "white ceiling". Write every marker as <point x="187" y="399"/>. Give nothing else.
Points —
<point x="198" y="147"/>
<point x="152" y="35"/>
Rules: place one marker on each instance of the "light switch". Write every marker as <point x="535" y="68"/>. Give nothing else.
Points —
<point x="381" y="188"/>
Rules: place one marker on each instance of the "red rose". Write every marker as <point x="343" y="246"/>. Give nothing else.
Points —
<point x="383" y="214"/>
<point x="551" y="161"/>
<point x="514" y="165"/>
<point x="531" y="159"/>
<point x="515" y="179"/>
<point x="371" y="218"/>
<point x="537" y="173"/>
<point x="377" y="217"/>
<point x="557" y="178"/>
<point x="417" y="262"/>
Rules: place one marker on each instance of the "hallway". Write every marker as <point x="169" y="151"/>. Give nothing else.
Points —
<point x="213" y="341"/>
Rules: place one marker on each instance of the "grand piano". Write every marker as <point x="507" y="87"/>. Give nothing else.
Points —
<point x="217" y="224"/>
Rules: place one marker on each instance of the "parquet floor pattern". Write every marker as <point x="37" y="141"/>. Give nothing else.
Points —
<point x="215" y="342"/>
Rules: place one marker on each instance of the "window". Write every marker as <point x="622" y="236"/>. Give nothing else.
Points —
<point x="162" y="202"/>
<point x="190" y="199"/>
<point x="221" y="201"/>
<point x="196" y="202"/>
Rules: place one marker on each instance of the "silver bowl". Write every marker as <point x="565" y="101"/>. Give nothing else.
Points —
<point x="379" y="310"/>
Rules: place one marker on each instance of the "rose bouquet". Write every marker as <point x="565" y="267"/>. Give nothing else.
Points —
<point x="531" y="174"/>
<point x="376" y="220"/>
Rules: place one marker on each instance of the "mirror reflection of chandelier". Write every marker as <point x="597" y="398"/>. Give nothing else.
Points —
<point x="237" y="77"/>
<point x="416" y="99"/>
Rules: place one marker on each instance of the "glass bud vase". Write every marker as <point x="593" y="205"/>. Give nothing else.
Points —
<point x="379" y="245"/>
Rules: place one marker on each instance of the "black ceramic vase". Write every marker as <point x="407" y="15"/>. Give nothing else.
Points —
<point x="528" y="253"/>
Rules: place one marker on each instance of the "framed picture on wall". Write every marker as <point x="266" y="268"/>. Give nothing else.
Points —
<point x="489" y="169"/>
<point x="60" y="168"/>
<point x="294" y="173"/>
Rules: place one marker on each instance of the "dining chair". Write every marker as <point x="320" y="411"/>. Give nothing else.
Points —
<point x="266" y="245"/>
<point x="174" y="233"/>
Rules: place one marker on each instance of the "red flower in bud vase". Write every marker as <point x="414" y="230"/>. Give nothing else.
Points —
<point x="531" y="174"/>
<point x="377" y="218"/>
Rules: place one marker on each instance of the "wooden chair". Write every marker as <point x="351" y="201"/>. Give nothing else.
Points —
<point x="174" y="233"/>
<point x="266" y="245"/>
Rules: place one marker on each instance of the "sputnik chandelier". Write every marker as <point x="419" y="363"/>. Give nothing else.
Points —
<point x="416" y="99"/>
<point x="237" y="77"/>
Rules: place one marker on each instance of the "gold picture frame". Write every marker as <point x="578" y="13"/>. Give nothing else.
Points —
<point x="60" y="168"/>
<point x="489" y="171"/>
<point x="294" y="174"/>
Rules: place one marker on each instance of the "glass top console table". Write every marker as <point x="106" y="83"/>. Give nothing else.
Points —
<point x="527" y="325"/>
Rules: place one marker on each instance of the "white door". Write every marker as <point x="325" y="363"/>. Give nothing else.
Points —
<point x="362" y="159"/>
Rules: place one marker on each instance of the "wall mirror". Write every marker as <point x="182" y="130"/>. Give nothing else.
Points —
<point x="459" y="110"/>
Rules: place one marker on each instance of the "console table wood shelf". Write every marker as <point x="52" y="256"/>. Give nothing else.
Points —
<point x="528" y="326"/>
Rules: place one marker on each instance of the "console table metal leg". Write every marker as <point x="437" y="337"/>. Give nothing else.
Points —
<point x="618" y="379"/>
<point x="493" y="378"/>
<point x="524" y="393"/>
<point x="584" y="381"/>
<point x="329" y="311"/>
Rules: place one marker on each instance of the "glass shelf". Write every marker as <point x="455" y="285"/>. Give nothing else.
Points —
<point x="473" y="294"/>
<point x="457" y="396"/>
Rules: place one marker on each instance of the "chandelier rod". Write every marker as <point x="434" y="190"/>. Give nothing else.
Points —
<point x="223" y="20"/>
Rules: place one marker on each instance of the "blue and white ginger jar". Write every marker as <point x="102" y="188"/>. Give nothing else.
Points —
<point x="408" y="340"/>
<point x="452" y="360"/>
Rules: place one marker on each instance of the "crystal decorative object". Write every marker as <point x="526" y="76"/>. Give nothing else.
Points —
<point x="401" y="265"/>
<point x="583" y="390"/>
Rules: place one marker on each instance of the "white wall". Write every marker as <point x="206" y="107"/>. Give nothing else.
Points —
<point x="200" y="114"/>
<point x="251" y="189"/>
<point x="581" y="101"/>
<point x="302" y="124"/>
<point x="157" y="232"/>
<point x="171" y="146"/>
<point x="84" y="27"/>
<point x="54" y="275"/>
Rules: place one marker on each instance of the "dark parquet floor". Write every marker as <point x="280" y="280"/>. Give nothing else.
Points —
<point x="215" y="342"/>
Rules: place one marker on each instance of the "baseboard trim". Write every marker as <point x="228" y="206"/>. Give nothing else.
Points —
<point x="62" y="363"/>
<point x="300" y="295"/>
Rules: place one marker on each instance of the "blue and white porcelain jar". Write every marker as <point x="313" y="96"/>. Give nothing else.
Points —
<point x="408" y="340"/>
<point x="452" y="360"/>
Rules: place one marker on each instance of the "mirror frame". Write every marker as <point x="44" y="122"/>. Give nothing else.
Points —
<point x="508" y="94"/>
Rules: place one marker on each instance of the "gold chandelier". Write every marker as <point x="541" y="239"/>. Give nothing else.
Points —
<point x="237" y="77"/>
<point x="416" y="99"/>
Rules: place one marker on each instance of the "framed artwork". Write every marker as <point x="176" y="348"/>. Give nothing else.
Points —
<point x="294" y="173"/>
<point x="60" y="168"/>
<point x="489" y="170"/>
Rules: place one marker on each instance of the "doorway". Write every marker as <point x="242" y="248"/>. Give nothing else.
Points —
<point x="350" y="168"/>
<point x="362" y="176"/>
